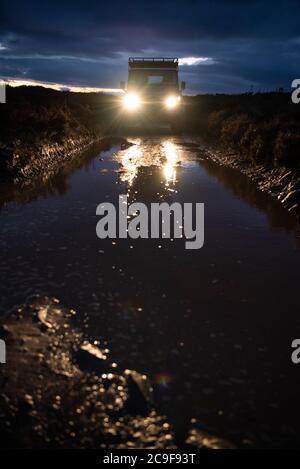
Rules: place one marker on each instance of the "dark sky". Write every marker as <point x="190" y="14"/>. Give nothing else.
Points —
<point x="87" y="43"/>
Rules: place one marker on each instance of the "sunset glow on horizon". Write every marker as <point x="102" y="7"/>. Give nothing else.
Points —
<point x="61" y="87"/>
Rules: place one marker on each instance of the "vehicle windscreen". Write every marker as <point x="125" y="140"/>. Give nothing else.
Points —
<point x="152" y="78"/>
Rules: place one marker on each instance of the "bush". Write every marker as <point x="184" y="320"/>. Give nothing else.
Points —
<point x="287" y="150"/>
<point x="233" y="129"/>
<point x="264" y="128"/>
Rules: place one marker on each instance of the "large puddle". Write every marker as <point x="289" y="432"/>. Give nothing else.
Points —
<point x="212" y="327"/>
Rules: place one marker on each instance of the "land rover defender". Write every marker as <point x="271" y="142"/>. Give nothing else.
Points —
<point x="152" y="94"/>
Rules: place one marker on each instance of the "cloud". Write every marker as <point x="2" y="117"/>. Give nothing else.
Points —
<point x="195" y="60"/>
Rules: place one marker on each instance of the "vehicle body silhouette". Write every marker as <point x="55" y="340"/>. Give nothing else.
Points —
<point x="153" y="95"/>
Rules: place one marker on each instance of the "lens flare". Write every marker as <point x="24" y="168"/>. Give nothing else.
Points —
<point x="171" y="102"/>
<point x="131" y="101"/>
<point x="163" y="379"/>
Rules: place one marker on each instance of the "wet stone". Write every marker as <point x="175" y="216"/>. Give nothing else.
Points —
<point x="139" y="392"/>
<point x="91" y="359"/>
<point x="203" y="440"/>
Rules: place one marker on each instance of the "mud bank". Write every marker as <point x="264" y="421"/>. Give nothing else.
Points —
<point x="59" y="390"/>
<point x="43" y="129"/>
<point x="49" y="159"/>
<point x="279" y="182"/>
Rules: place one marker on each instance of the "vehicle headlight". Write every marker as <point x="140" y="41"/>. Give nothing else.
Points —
<point x="131" y="101"/>
<point x="172" y="101"/>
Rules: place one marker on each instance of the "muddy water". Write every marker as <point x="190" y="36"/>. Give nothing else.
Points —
<point x="212" y="327"/>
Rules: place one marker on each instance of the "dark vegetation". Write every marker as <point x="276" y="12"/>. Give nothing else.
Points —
<point x="264" y="128"/>
<point x="35" y="114"/>
<point x="35" y="117"/>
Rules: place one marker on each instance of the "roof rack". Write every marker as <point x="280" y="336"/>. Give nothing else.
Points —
<point x="153" y="59"/>
<point x="153" y="62"/>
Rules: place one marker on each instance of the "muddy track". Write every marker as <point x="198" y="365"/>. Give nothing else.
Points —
<point x="281" y="183"/>
<point x="60" y="391"/>
<point x="48" y="160"/>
